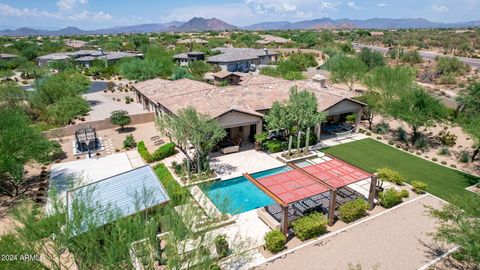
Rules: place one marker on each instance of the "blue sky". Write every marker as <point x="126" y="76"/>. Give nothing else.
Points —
<point x="94" y="14"/>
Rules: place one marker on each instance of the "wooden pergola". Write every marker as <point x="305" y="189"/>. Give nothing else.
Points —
<point x="302" y="183"/>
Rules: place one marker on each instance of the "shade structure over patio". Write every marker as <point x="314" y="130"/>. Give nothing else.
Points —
<point x="302" y="183"/>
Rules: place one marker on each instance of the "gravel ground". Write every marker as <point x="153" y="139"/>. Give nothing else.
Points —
<point x="397" y="239"/>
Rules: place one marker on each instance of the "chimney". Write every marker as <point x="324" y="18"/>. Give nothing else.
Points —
<point x="265" y="51"/>
<point x="320" y="79"/>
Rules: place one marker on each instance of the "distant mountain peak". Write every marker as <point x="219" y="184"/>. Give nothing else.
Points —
<point x="199" y="24"/>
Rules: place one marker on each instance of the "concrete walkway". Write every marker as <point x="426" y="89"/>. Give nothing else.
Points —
<point x="396" y="239"/>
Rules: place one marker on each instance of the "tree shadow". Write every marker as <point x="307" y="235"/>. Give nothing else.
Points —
<point x="126" y="130"/>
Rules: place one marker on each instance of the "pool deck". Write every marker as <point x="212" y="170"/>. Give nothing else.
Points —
<point x="250" y="161"/>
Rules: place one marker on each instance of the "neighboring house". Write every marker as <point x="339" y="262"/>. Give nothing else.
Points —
<point x="192" y="40"/>
<point x="376" y="34"/>
<point x="7" y="56"/>
<point x="240" y="109"/>
<point x="269" y="39"/>
<point x="241" y="59"/>
<point x="184" y="59"/>
<point x="77" y="44"/>
<point x="85" y="57"/>
<point x="230" y="77"/>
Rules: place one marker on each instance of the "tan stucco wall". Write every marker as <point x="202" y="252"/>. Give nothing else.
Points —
<point x="235" y="119"/>
<point x="345" y="106"/>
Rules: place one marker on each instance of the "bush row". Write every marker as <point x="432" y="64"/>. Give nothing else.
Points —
<point x="390" y="175"/>
<point x="162" y="152"/>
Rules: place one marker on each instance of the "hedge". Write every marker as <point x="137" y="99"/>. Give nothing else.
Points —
<point x="391" y="197"/>
<point x="177" y="193"/>
<point x="353" y="210"/>
<point x="162" y="152"/>
<point x="310" y="226"/>
<point x="275" y="241"/>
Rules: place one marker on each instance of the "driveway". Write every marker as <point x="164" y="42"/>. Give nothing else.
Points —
<point x="396" y="239"/>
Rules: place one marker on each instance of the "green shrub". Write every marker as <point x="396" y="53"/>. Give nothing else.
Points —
<point x="421" y="143"/>
<point x="310" y="226"/>
<point x="353" y="210"/>
<point x="390" y="175"/>
<point x="443" y="151"/>
<point x="177" y="193"/>
<point x="274" y="146"/>
<point x="404" y="193"/>
<point x="129" y="142"/>
<point x="382" y="127"/>
<point x="275" y="241"/>
<point x="162" y="152"/>
<point x="390" y="197"/>
<point x="143" y="151"/>
<point x="434" y="159"/>
<point x="464" y="157"/>
<point x="419" y="187"/>
<point x="221" y="246"/>
<point x="402" y="134"/>
<point x="447" y="138"/>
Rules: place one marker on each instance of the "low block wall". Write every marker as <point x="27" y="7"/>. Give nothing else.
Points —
<point x="101" y="124"/>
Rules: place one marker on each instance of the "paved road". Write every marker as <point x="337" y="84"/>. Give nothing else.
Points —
<point x="425" y="55"/>
<point x="396" y="240"/>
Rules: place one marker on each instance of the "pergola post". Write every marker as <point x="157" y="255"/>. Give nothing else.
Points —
<point x="284" y="223"/>
<point x="331" y="208"/>
<point x="358" y="118"/>
<point x="373" y="190"/>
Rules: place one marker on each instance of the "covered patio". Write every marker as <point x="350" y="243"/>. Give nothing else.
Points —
<point x="319" y="187"/>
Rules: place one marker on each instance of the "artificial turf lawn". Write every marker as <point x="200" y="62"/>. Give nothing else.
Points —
<point x="371" y="155"/>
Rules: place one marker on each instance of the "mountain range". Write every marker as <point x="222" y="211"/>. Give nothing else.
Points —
<point x="199" y="24"/>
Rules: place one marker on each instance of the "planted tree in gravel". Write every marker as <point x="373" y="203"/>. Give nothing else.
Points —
<point x="417" y="108"/>
<point x="189" y="126"/>
<point x="347" y="70"/>
<point x="460" y="225"/>
<point x="20" y="143"/>
<point x="384" y="84"/>
<point x="120" y="118"/>
<point x="471" y="125"/>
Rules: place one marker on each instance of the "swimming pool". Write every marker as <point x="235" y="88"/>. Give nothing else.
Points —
<point x="238" y="195"/>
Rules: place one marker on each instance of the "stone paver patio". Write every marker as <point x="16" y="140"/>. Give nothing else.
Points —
<point x="249" y="161"/>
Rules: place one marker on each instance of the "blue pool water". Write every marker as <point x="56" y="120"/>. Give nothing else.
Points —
<point x="238" y="195"/>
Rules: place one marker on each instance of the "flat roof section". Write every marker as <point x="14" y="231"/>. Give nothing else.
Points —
<point x="125" y="194"/>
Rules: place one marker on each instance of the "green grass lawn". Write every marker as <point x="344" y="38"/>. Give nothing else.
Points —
<point x="371" y="155"/>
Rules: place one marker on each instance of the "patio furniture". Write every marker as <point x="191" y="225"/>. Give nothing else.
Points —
<point x="154" y="138"/>
<point x="230" y="149"/>
<point x="159" y="142"/>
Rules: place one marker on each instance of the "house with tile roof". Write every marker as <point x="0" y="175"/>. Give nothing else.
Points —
<point x="240" y="108"/>
<point x="85" y="57"/>
<point x="241" y="59"/>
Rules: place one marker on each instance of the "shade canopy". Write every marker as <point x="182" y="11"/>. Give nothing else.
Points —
<point x="302" y="183"/>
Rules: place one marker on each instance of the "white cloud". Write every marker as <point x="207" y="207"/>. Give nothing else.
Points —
<point x="382" y="5"/>
<point x="440" y="8"/>
<point x="354" y="6"/>
<point x="300" y="9"/>
<point x="66" y="5"/>
<point x="69" y="10"/>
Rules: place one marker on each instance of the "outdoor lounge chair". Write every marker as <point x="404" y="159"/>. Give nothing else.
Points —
<point x="154" y="138"/>
<point x="159" y="142"/>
